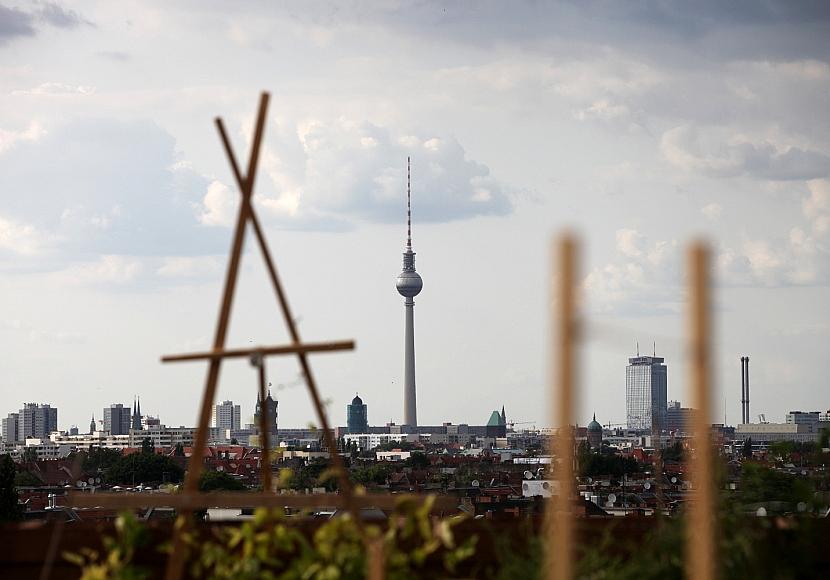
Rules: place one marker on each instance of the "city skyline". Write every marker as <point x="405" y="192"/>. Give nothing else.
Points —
<point x="114" y="223"/>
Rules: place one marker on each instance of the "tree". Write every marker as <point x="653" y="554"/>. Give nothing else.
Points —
<point x="178" y="451"/>
<point x="147" y="446"/>
<point x="9" y="508"/>
<point x="746" y="451"/>
<point x="219" y="480"/>
<point x="673" y="452"/>
<point x="417" y="461"/>
<point x="824" y="439"/>
<point x="233" y="442"/>
<point x="144" y="468"/>
<point x="27" y="479"/>
<point x="99" y="459"/>
<point x="371" y="475"/>
<point x="29" y="455"/>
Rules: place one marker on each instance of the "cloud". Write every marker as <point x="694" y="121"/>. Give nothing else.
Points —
<point x="643" y="281"/>
<point x="8" y="139"/>
<point x="22" y="239"/>
<point x="189" y="267"/>
<point x="106" y="187"/>
<point x="718" y="155"/>
<point x="331" y="171"/>
<point x="56" y="89"/>
<point x="13" y="23"/>
<point x="219" y="206"/>
<point x="816" y="206"/>
<point x="115" y="55"/>
<point x="53" y="14"/>
<point x="107" y="269"/>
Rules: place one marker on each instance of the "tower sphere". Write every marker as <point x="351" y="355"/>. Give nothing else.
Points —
<point x="409" y="284"/>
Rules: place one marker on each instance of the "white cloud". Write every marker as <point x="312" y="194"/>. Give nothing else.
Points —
<point x="219" y="205"/>
<point x="108" y="269"/>
<point x="644" y="280"/>
<point x="20" y="238"/>
<point x="333" y="171"/>
<point x="630" y="242"/>
<point x="189" y="267"/>
<point x="56" y="90"/>
<point x="31" y="133"/>
<point x="816" y="206"/>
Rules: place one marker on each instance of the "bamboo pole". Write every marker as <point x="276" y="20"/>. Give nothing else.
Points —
<point x="265" y="350"/>
<point x="241" y="499"/>
<point x="559" y="564"/>
<point x="700" y="533"/>
<point x="175" y="565"/>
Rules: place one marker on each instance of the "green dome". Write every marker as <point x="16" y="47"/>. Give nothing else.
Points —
<point x="594" y="426"/>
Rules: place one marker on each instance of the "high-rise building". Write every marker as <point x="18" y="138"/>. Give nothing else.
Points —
<point x="357" y="416"/>
<point x="409" y="284"/>
<point x="136" y="418"/>
<point x="117" y="419"/>
<point x="36" y="421"/>
<point x="11" y="428"/>
<point x="678" y="419"/>
<point x="645" y="392"/>
<point x="226" y="415"/>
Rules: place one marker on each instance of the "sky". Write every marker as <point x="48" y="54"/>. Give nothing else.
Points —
<point x="640" y="126"/>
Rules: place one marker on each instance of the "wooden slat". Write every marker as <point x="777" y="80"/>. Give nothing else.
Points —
<point x="263" y="350"/>
<point x="560" y="517"/>
<point x="233" y="500"/>
<point x="700" y="532"/>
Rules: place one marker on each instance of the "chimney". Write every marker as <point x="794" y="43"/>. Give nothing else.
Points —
<point x="743" y="392"/>
<point x="748" y="416"/>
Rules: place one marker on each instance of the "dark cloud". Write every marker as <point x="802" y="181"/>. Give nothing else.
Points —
<point x="115" y="55"/>
<point x="657" y="29"/>
<point x="55" y="15"/>
<point x="14" y="23"/>
<point x="713" y="153"/>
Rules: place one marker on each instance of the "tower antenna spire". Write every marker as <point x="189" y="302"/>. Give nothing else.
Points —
<point x="408" y="208"/>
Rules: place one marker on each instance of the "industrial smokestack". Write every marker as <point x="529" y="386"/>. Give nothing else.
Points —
<point x="743" y="392"/>
<point x="748" y="416"/>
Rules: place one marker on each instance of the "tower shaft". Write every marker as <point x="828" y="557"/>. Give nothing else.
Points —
<point x="410" y="411"/>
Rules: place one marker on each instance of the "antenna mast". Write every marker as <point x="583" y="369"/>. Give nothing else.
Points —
<point x="408" y="209"/>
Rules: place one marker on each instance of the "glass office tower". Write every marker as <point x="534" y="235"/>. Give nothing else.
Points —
<point x="645" y="392"/>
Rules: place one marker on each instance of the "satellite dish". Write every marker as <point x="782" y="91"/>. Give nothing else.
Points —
<point x="474" y="483"/>
<point x="528" y="474"/>
<point x="91" y="481"/>
<point x="612" y="497"/>
<point x="674" y="480"/>
<point x="609" y="504"/>
<point x="590" y="480"/>
<point x="647" y="485"/>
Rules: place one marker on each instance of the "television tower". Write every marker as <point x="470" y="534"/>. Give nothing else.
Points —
<point x="409" y="284"/>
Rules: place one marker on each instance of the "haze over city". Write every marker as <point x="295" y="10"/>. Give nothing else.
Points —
<point x="638" y="126"/>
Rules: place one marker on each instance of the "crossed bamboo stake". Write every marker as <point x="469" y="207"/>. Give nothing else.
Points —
<point x="246" y="215"/>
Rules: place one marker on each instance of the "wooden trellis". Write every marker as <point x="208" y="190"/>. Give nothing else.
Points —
<point x="700" y="557"/>
<point x="191" y="500"/>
